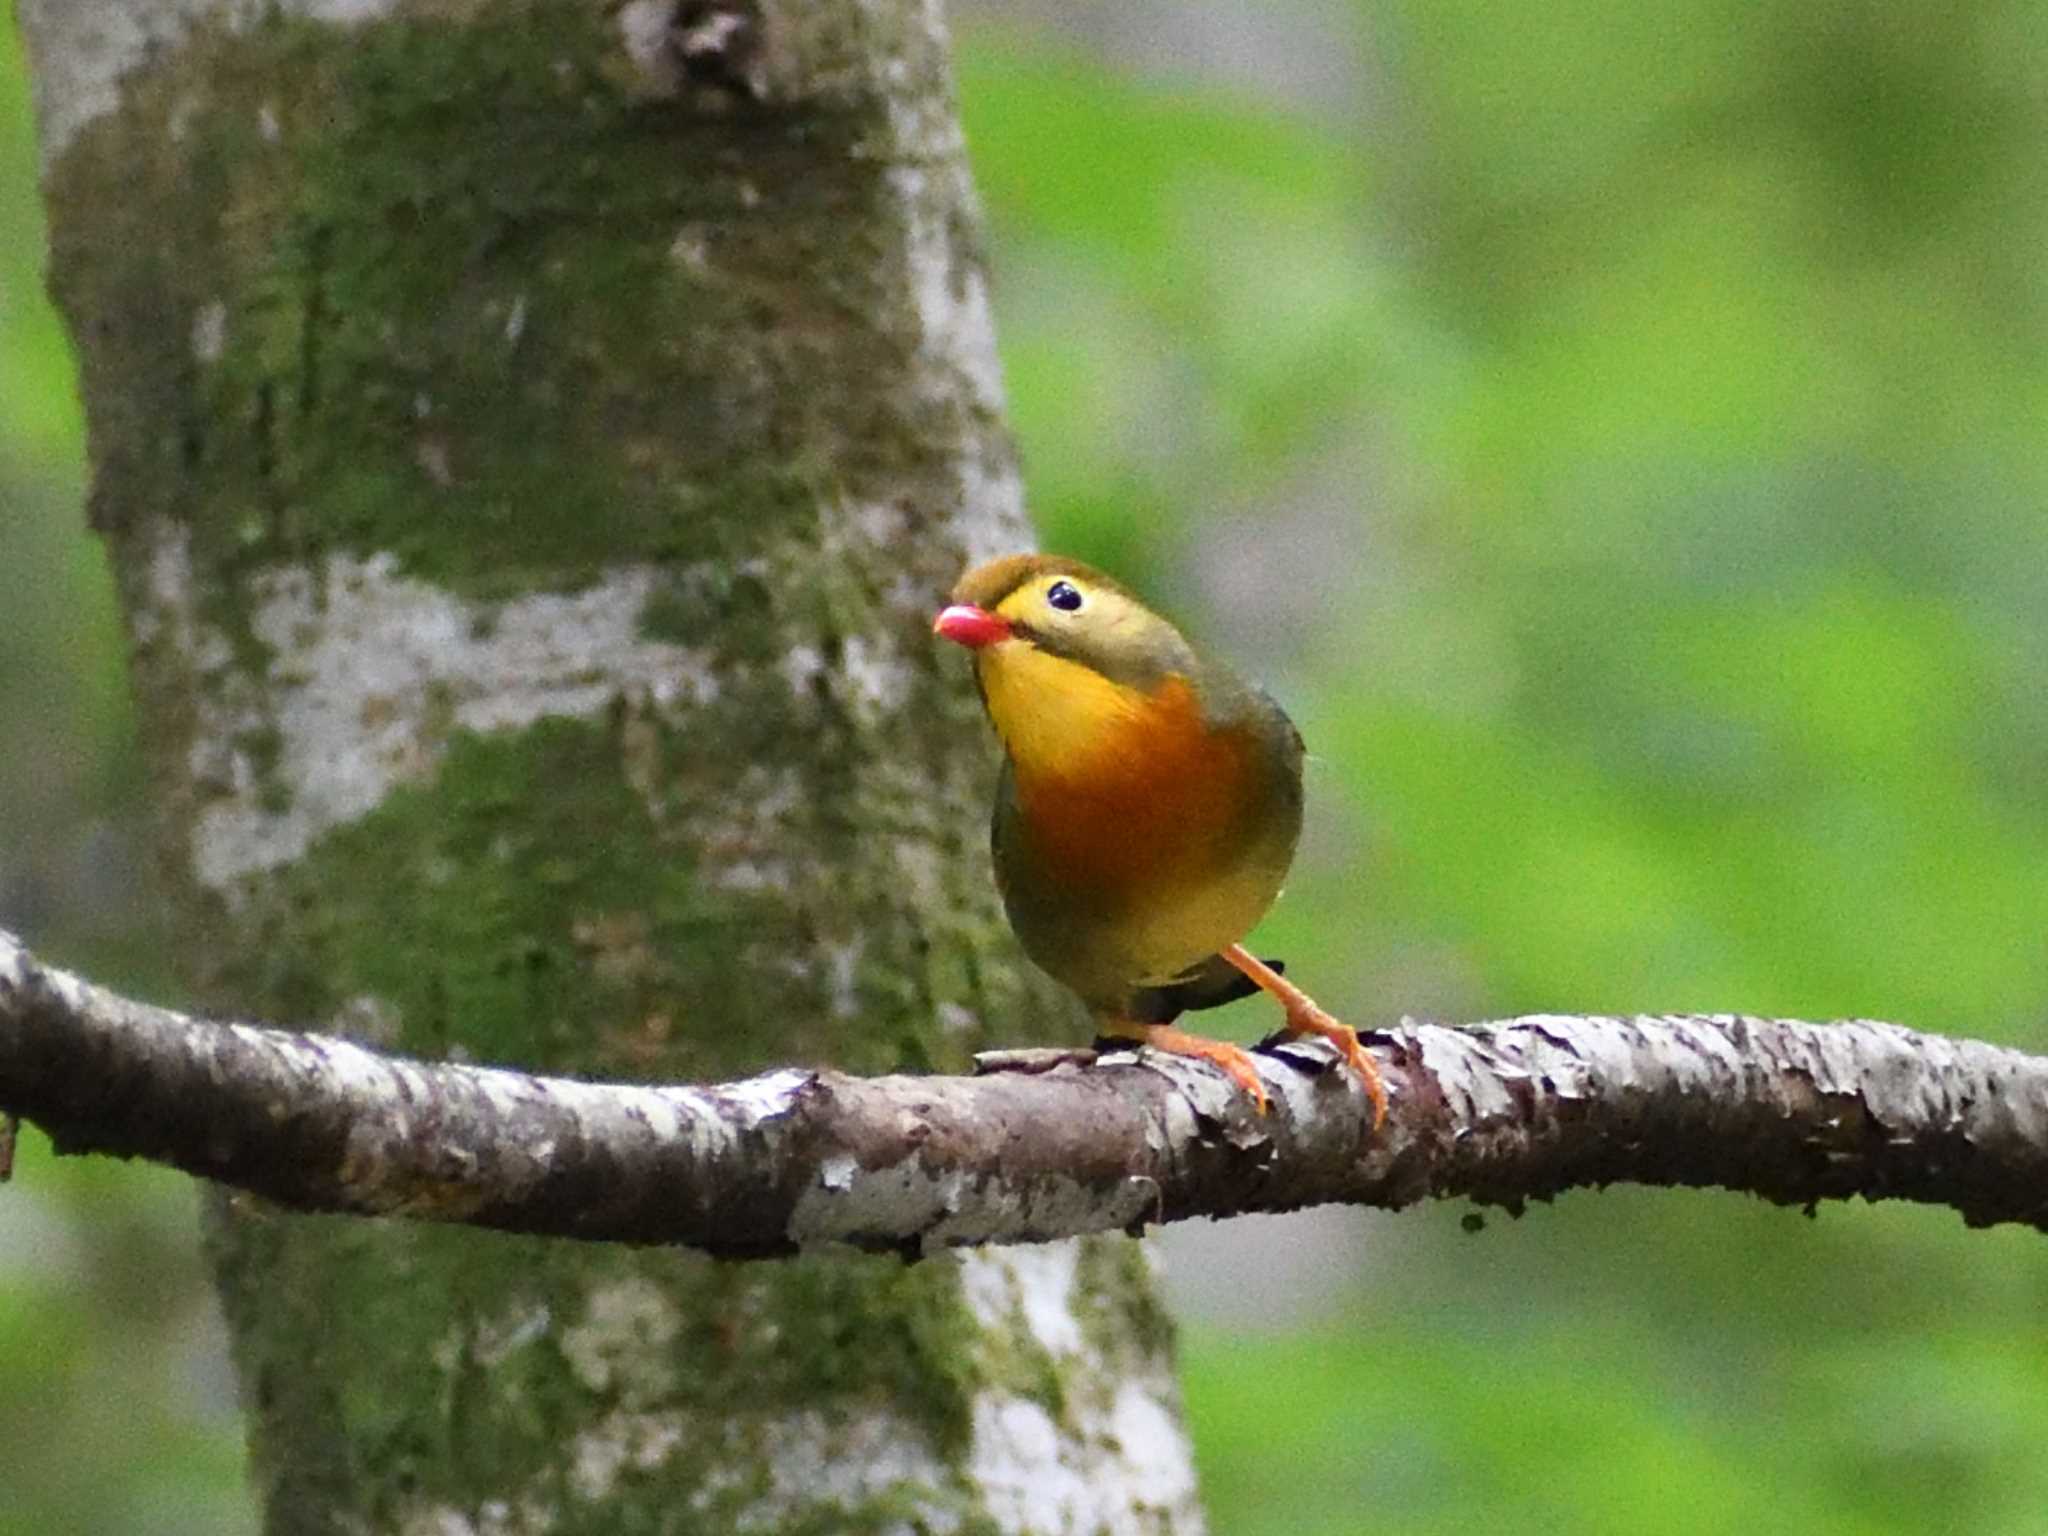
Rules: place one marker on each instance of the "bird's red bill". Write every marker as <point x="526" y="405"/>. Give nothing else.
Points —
<point x="970" y="626"/>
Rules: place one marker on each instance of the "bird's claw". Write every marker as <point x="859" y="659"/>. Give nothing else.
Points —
<point x="1311" y="1020"/>
<point x="1238" y="1063"/>
<point x="1234" y="1059"/>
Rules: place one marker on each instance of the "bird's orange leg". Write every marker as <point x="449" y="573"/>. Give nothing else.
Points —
<point x="1234" y="1059"/>
<point x="1305" y="1018"/>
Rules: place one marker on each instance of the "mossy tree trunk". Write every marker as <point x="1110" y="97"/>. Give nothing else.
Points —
<point x="530" y="436"/>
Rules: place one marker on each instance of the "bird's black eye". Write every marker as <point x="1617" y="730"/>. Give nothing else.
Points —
<point x="1064" y="595"/>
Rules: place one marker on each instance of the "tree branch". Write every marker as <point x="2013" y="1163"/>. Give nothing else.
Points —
<point x="1498" y="1113"/>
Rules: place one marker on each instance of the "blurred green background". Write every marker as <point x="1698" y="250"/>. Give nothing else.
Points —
<point x="1617" y="432"/>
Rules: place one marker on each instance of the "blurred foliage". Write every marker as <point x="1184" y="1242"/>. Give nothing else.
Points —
<point x="1621" y="444"/>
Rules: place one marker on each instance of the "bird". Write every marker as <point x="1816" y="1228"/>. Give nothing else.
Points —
<point x="1147" y="811"/>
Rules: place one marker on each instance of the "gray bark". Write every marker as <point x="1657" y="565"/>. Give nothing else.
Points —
<point x="1499" y="1114"/>
<point x="529" y="437"/>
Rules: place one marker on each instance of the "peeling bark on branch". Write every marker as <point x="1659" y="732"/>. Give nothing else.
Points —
<point x="1501" y="1113"/>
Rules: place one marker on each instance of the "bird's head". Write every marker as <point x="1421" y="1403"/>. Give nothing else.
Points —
<point x="1071" y="665"/>
<point x="1061" y="609"/>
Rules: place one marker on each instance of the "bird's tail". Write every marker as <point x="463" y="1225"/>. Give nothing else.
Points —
<point x="1210" y="984"/>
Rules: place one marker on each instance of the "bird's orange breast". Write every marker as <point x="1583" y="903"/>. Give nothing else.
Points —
<point x="1122" y="793"/>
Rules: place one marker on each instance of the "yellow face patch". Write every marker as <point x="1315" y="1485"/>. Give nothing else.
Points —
<point x="1094" y="616"/>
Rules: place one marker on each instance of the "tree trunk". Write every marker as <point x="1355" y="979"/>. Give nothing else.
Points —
<point x="530" y="438"/>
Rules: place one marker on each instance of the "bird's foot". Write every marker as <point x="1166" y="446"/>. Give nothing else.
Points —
<point x="1308" y="1019"/>
<point x="1234" y="1059"/>
<point x="1305" y="1018"/>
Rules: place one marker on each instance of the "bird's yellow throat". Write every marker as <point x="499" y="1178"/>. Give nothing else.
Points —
<point x="1058" y="718"/>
